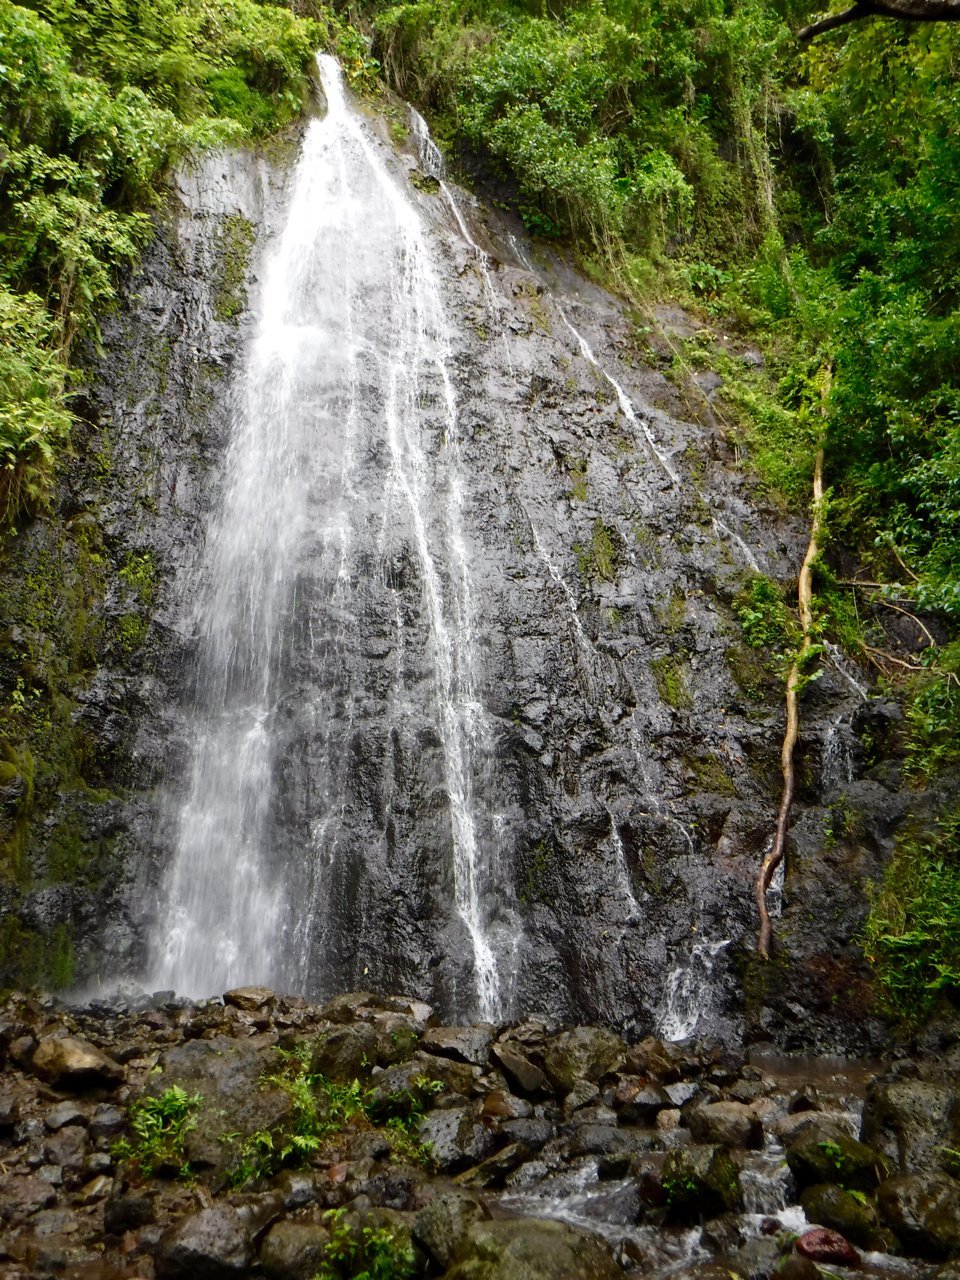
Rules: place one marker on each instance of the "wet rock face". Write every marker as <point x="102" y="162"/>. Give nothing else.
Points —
<point x="629" y="775"/>
<point x="550" y="1180"/>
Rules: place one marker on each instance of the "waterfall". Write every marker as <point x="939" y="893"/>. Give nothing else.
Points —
<point x="341" y="487"/>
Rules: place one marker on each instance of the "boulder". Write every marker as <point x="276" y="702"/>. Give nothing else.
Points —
<point x="636" y="1100"/>
<point x="523" y="1073"/>
<point x="831" y="1206"/>
<point x="466" y="1044"/>
<point x="910" y="1122"/>
<point x="228" y="1075"/>
<point x="583" y="1053"/>
<point x="730" y="1124"/>
<point x="796" y="1267"/>
<point x="457" y="1138"/>
<point x="814" y="1158"/>
<point x="345" y="1052"/>
<point x="923" y="1210"/>
<point x="441" y="1227"/>
<point x="700" y="1182"/>
<point x="250" y="999"/>
<point x="67" y="1147"/>
<point x="294" y="1250"/>
<point x="74" y="1064"/>
<point x="21" y="1194"/>
<point x="64" y="1113"/>
<point x="210" y="1245"/>
<point x="821" y="1245"/>
<point x="531" y="1249"/>
<point x="492" y="1171"/>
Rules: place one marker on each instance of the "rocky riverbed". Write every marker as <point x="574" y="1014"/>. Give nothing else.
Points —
<point x="260" y="1135"/>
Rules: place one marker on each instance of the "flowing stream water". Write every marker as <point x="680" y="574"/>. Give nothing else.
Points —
<point x="342" y="468"/>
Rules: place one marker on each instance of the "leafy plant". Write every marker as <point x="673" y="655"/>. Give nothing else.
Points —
<point x="912" y="935"/>
<point x="160" y="1126"/>
<point x="364" y="1253"/>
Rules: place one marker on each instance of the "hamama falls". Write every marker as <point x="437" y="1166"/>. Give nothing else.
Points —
<point x="393" y="820"/>
<point x="450" y="706"/>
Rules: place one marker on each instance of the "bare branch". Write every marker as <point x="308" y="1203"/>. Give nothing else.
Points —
<point x="902" y="10"/>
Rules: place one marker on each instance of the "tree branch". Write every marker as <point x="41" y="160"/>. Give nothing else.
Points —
<point x="902" y="10"/>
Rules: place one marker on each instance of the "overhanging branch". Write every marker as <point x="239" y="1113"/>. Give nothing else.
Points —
<point x="902" y="10"/>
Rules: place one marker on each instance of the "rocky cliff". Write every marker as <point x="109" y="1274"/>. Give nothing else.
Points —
<point x="632" y="778"/>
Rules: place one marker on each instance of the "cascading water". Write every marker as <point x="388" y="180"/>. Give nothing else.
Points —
<point x="341" y="472"/>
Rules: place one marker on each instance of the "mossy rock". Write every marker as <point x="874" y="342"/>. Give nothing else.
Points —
<point x="851" y="1214"/>
<point x="818" y="1158"/>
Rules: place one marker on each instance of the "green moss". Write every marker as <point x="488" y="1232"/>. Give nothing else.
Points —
<point x="536" y="881"/>
<point x="673" y="614"/>
<point x="600" y="558"/>
<point x="424" y="182"/>
<point x="710" y="774"/>
<point x="751" y="673"/>
<point x="577" y="470"/>
<point x="236" y="243"/>
<point x="669" y="674"/>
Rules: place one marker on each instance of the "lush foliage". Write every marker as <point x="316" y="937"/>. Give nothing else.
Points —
<point x="364" y="1253"/>
<point x="322" y="1107"/>
<point x="159" y="1127"/>
<point x="96" y="98"/>
<point x="912" y="935"/>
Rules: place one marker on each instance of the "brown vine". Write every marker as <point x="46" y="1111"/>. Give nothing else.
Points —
<point x="794" y="680"/>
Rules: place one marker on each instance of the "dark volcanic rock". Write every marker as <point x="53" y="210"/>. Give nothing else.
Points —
<point x="528" y="1249"/>
<point x="294" y="1250"/>
<point x="441" y="1227"/>
<point x="911" y="1122"/>
<point x="924" y="1212"/>
<point x="210" y="1245"/>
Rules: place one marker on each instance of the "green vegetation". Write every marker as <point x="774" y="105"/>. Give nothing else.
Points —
<point x="668" y="673"/>
<point x="600" y="557"/>
<point x="322" y="1108"/>
<point x="97" y="99"/>
<point x="912" y="935"/>
<point x="364" y="1253"/>
<point x="160" y="1126"/>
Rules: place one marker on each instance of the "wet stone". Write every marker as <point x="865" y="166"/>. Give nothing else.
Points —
<point x="65" y="1113"/>
<point x="822" y="1245"/>
<point x="294" y="1250"/>
<point x="75" y="1063"/>
<point x="23" y="1194"/>
<point x="467" y="1044"/>
<point x="440" y="1227"/>
<point x="210" y="1245"/>
<point x="250" y="999"/>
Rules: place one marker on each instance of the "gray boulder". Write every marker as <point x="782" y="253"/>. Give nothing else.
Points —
<point x="910" y="1122"/>
<point x="583" y="1053"/>
<point x="210" y="1245"/>
<point x="531" y="1249"/>
<point x="294" y="1250"/>
<point x="923" y="1210"/>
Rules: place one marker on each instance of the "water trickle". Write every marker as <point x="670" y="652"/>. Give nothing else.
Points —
<point x="431" y="162"/>
<point x="344" y="450"/>
<point x="626" y="408"/>
<point x="837" y="768"/>
<point x="686" y="990"/>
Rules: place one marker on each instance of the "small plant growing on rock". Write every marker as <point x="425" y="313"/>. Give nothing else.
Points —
<point x="160" y="1126"/>
<point x="364" y="1253"/>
